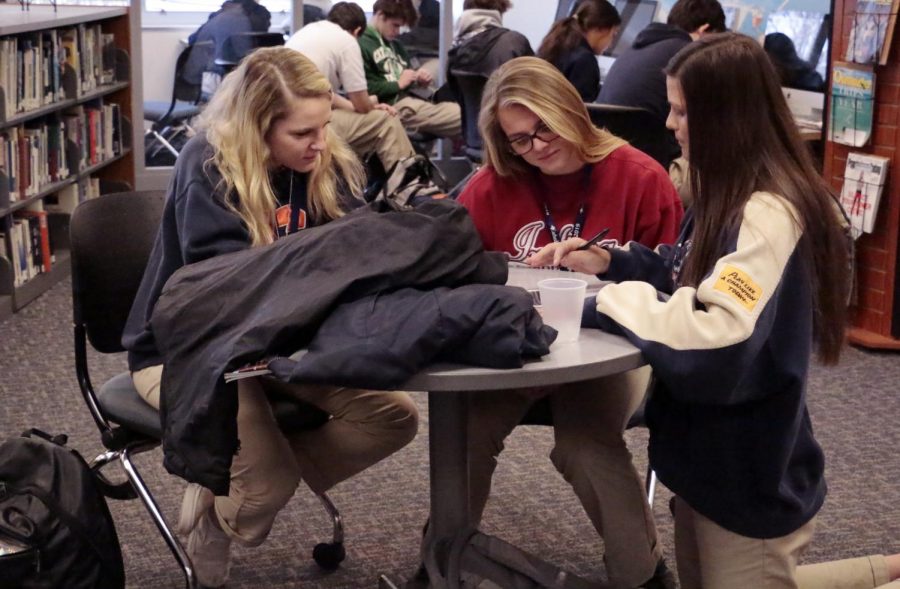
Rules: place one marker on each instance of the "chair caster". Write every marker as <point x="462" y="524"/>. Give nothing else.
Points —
<point x="329" y="555"/>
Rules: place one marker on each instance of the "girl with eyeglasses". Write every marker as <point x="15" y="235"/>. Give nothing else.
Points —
<point x="550" y="175"/>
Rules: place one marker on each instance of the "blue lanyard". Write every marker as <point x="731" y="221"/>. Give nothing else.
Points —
<point x="579" y="218"/>
<point x="551" y="226"/>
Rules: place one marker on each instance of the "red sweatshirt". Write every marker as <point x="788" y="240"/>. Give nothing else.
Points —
<point x="627" y="191"/>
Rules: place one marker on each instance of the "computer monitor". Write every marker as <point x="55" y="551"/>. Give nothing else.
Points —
<point x="809" y="32"/>
<point x="636" y="15"/>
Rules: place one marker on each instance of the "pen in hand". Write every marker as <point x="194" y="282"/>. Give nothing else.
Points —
<point x="592" y="240"/>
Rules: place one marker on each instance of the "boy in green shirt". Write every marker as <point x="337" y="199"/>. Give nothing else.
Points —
<point x="390" y="77"/>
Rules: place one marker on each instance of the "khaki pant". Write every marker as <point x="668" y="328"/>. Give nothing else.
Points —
<point x="442" y="119"/>
<point x="711" y="557"/>
<point x="590" y="452"/>
<point x="373" y="132"/>
<point x="866" y="572"/>
<point x="366" y="426"/>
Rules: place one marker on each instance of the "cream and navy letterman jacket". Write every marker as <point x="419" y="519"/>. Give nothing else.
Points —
<point x="729" y="429"/>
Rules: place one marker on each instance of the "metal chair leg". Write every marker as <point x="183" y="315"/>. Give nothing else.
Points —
<point x="330" y="555"/>
<point x="338" y="522"/>
<point x="650" y="485"/>
<point x="190" y="579"/>
<point x="167" y="145"/>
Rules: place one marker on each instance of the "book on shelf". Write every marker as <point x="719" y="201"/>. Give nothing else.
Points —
<point x="864" y="179"/>
<point x="64" y="201"/>
<point x="108" y="60"/>
<point x="17" y="249"/>
<point x="872" y="31"/>
<point x="68" y="39"/>
<point x="40" y="237"/>
<point x="852" y="104"/>
<point x="22" y="256"/>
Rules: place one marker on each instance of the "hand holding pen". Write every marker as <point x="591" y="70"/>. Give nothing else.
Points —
<point x="574" y="254"/>
<point x="595" y="239"/>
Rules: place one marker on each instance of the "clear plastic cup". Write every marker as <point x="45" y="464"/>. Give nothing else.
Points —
<point x="562" y="300"/>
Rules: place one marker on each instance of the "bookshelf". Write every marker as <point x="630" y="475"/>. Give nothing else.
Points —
<point x="66" y="98"/>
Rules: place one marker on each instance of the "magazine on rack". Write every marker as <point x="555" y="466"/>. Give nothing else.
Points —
<point x="852" y="104"/>
<point x="864" y="178"/>
<point x="872" y="31"/>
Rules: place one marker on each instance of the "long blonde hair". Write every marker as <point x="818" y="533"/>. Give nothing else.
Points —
<point x="246" y="105"/>
<point x="540" y="87"/>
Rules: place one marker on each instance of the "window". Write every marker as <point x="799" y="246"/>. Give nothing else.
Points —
<point x="206" y="6"/>
<point x="193" y="13"/>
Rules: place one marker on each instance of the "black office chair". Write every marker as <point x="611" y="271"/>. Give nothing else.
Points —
<point x="541" y="413"/>
<point x="639" y="127"/>
<point x="171" y="119"/>
<point x="469" y="87"/>
<point x="111" y="239"/>
<point x="240" y="45"/>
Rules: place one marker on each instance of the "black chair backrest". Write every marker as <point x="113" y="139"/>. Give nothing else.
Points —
<point x="471" y="86"/>
<point x="186" y="86"/>
<point x="111" y="239"/>
<point x="189" y="71"/>
<point x="639" y="127"/>
<point x="239" y="45"/>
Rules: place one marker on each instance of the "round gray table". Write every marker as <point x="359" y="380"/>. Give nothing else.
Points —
<point x="452" y="544"/>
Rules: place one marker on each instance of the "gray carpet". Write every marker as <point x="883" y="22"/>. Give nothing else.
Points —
<point x="855" y="409"/>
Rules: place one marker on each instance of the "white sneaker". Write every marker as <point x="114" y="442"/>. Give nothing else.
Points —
<point x="208" y="547"/>
<point x="197" y="500"/>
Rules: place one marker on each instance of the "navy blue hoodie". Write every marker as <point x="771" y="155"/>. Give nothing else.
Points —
<point x="729" y="429"/>
<point x="197" y="225"/>
<point x="636" y="78"/>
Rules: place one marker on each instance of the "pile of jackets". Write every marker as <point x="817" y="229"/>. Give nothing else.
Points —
<point x="374" y="296"/>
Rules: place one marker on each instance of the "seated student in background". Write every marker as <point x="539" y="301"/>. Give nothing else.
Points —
<point x="266" y="166"/>
<point x="422" y="41"/>
<point x="795" y="71"/>
<point x="551" y="175"/>
<point x="391" y="78"/>
<point x="482" y="44"/>
<point x="636" y="78"/>
<point x="574" y="43"/>
<point x="728" y="318"/>
<point x="234" y="17"/>
<point x="332" y="46"/>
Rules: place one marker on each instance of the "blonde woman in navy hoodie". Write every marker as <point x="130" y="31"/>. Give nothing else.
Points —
<point x="266" y="165"/>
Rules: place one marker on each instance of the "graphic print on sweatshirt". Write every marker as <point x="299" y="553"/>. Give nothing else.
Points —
<point x="283" y="220"/>
<point x="525" y="240"/>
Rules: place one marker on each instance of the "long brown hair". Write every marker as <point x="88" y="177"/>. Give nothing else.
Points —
<point x="567" y="33"/>
<point x="540" y="87"/>
<point x="743" y="139"/>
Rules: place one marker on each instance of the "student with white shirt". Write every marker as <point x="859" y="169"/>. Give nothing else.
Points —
<point x="367" y="126"/>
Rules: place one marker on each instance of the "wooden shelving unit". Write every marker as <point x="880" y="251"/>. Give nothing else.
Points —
<point x="117" y="171"/>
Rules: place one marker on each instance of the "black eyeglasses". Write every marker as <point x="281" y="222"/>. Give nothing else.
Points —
<point x="524" y="143"/>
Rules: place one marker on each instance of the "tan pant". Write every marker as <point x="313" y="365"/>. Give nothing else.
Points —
<point x="866" y="572"/>
<point x="366" y="426"/>
<point x="711" y="557"/>
<point x="590" y="452"/>
<point x="373" y="132"/>
<point x="442" y="119"/>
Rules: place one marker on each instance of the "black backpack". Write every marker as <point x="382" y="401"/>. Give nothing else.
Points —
<point x="55" y="525"/>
